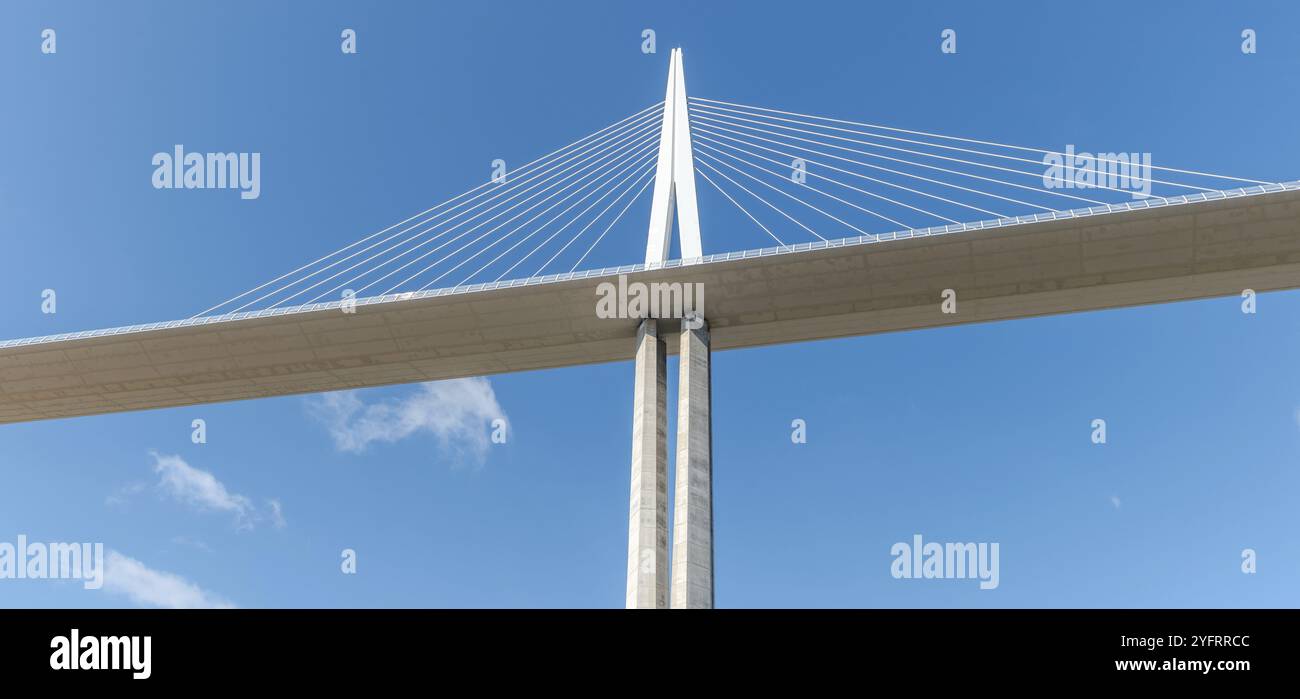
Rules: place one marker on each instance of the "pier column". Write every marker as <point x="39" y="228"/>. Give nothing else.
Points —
<point x="647" y="537"/>
<point x="692" y="571"/>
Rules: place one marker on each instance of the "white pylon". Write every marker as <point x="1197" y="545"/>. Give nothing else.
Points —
<point x="675" y="176"/>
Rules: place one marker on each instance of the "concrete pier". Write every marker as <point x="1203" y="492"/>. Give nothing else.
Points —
<point x="692" y="571"/>
<point x="647" y="537"/>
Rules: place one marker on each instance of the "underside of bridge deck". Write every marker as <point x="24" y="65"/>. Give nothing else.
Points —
<point x="1162" y="254"/>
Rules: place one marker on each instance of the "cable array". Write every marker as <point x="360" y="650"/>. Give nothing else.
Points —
<point x="838" y="177"/>
<point x="490" y="231"/>
<point x="798" y="177"/>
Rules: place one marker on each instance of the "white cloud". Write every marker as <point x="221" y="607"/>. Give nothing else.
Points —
<point x="456" y="412"/>
<point x="1114" y="500"/>
<point x="124" y="494"/>
<point x="147" y="587"/>
<point x="277" y="513"/>
<point x="195" y="543"/>
<point x="200" y="489"/>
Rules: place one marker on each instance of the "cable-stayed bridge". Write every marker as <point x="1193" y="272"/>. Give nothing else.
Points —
<point x="857" y="227"/>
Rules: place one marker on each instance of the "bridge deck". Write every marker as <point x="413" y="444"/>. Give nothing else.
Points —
<point x="1188" y="251"/>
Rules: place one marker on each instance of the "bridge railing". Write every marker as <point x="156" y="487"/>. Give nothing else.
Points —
<point x="1139" y="204"/>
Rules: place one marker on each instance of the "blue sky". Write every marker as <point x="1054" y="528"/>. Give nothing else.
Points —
<point x="976" y="433"/>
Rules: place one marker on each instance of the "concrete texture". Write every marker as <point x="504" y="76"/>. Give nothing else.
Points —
<point x="647" y="536"/>
<point x="1187" y="251"/>
<point x="692" y="570"/>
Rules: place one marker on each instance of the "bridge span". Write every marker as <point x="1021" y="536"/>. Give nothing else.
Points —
<point x="818" y="291"/>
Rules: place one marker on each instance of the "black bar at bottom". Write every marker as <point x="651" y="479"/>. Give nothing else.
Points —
<point x="494" y="648"/>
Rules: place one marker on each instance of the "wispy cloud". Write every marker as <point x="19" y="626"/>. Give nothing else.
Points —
<point x="147" y="587"/>
<point x="191" y="542"/>
<point x="457" y="413"/>
<point x="202" y="491"/>
<point x="277" y="513"/>
<point x="1115" y="501"/>
<point x="123" y="495"/>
